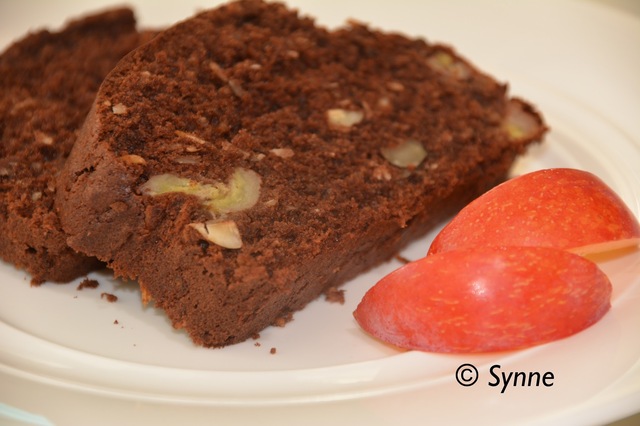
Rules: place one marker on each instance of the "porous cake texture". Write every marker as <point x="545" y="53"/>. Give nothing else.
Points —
<point x="246" y="160"/>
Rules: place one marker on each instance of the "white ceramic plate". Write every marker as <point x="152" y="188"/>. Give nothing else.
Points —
<point x="69" y="357"/>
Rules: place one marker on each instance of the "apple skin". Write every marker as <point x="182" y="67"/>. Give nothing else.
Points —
<point x="485" y="299"/>
<point x="564" y="208"/>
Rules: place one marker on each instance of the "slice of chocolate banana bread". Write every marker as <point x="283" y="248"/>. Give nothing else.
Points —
<point x="47" y="84"/>
<point x="246" y="160"/>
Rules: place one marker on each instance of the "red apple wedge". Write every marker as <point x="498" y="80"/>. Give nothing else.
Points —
<point x="563" y="208"/>
<point x="485" y="299"/>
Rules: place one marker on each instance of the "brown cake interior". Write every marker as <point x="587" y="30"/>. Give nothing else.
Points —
<point x="251" y="86"/>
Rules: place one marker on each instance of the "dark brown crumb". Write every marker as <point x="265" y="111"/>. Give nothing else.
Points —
<point x="87" y="283"/>
<point x="36" y="282"/>
<point x="257" y="344"/>
<point x="402" y="259"/>
<point x="116" y="322"/>
<point x="256" y="336"/>
<point x="282" y="321"/>
<point x="334" y="295"/>
<point x="110" y="297"/>
<point x="272" y="351"/>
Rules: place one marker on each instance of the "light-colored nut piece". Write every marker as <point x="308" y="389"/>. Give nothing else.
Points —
<point x="218" y="71"/>
<point x="384" y="103"/>
<point x="282" y="152"/>
<point x="24" y="103"/>
<point x="36" y="166"/>
<point x="236" y="88"/>
<point x="43" y="138"/>
<point x="146" y="296"/>
<point x="228" y="146"/>
<point x="445" y="63"/>
<point x="187" y="159"/>
<point x="408" y="154"/>
<point x="382" y="173"/>
<point x="368" y="112"/>
<point x="190" y="136"/>
<point x="395" y="86"/>
<point x="133" y="159"/>
<point x="234" y="85"/>
<point x="342" y="119"/>
<point x="223" y="233"/>
<point x="165" y="183"/>
<point x="241" y="192"/>
<point x="119" y="109"/>
<point x="518" y="123"/>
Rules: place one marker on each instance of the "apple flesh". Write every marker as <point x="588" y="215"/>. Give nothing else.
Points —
<point x="485" y="299"/>
<point x="563" y="208"/>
